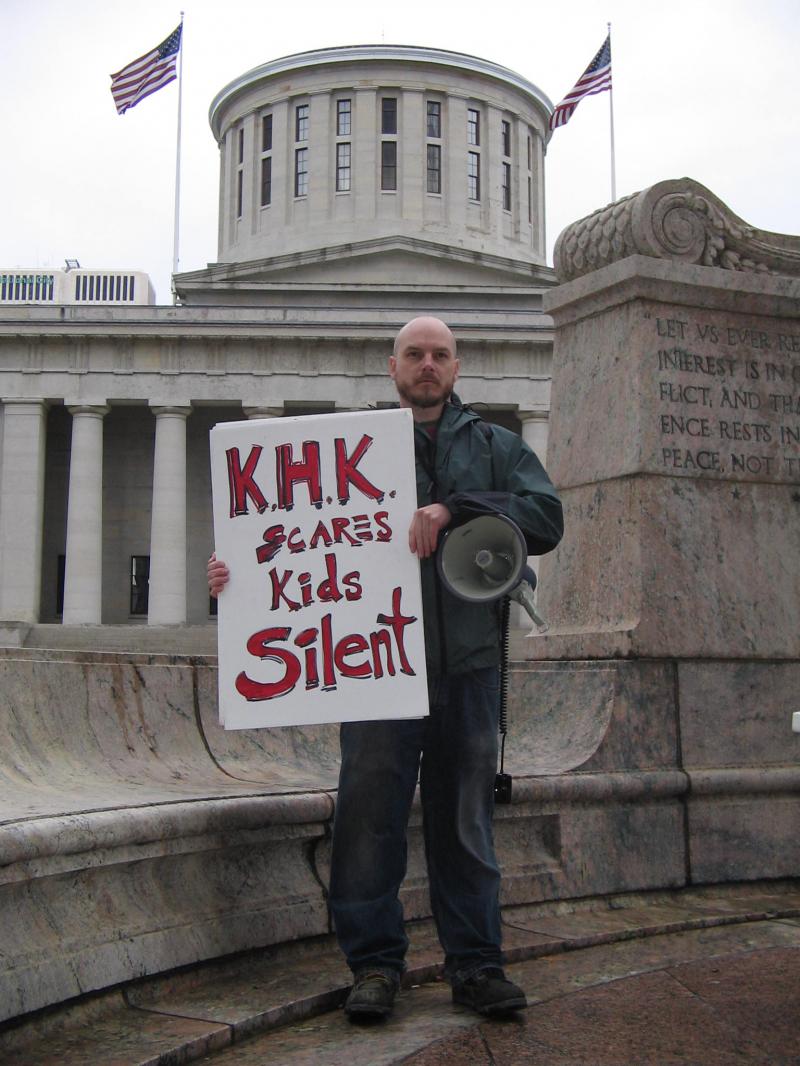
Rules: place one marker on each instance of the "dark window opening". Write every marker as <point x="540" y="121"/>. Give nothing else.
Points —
<point x="389" y="115"/>
<point x="140" y="583"/>
<point x="389" y="166"/>
<point x="434" y="168"/>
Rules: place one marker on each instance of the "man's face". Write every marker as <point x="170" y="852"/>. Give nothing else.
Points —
<point x="424" y="367"/>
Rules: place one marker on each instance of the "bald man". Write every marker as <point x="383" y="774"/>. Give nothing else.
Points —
<point x="465" y="468"/>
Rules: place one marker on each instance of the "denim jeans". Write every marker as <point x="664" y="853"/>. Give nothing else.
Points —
<point x="455" y="752"/>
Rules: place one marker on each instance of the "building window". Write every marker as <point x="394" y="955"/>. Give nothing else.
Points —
<point x="473" y="126"/>
<point x="343" y="116"/>
<point x="301" y="122"/>
<point x="266" y="160"/>
<point x="301" y="172"/>
<point x="140" y="583"/>
<point x="474" y="175"/>
<point x="343" y="167"/>
<point x="530" y="200"/>
<point x="239" y="172"/>
<point x="434" y="168"/>
<point x="506" y="186"/>
<point x="266" y="181"/>
<point x="389" y="115"/>
<point x="505" y="128"/>
<point x="434" y="118"/>
<point x="389" y="166"/>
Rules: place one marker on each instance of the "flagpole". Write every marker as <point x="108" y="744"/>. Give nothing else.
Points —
<point x="611" y="119"/>
<point x="176" y="226"/>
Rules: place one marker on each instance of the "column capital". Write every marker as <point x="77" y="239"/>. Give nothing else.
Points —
<point x="533" y="414"/>
<point x="99" y="410"/>
<point x="31" y="401"/>
<point x="263" y="412"/>
<point x="176" y="410"/>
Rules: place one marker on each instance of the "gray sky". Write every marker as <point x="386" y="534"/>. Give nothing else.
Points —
<point x="705" y="89"/>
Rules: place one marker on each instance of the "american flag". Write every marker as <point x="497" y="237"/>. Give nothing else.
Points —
<point x="147" y="74"/>
<point x="595" y="79"/>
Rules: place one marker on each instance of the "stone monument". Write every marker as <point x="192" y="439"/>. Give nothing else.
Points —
<point x="675" y="443"/>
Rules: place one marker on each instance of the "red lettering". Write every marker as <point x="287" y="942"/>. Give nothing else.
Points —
<point x="295" y="542"/>
<point x="328" y="675"/>
<point x="397" y="622"/>
<point x="278" y="594"/>
<point x="304" y="581"/>
<point x="381" y="638"/>
<point x="353" y="585"/>
<point x="328" y="589"/>
<point x="361" y="527"/>
<point x="346" y="473"/>
<point x="351" y="645"/>
<point x="335" y="654"/>
<point x="384" y="529"/>
<point x="303" y="640"/>
<point x="273" y="539"/>
<point x="259" y="646"/>
<point x="339" y="527"/>
<point x="320" y="534"/>
<point x="289" y="472"/>
<point x="242" y="483"/>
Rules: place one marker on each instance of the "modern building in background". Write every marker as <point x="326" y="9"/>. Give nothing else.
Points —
<point x="359" y="187"/>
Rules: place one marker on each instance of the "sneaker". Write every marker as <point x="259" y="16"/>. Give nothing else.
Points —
<point x="490" y="992"/>
<point x="372" y="995"/>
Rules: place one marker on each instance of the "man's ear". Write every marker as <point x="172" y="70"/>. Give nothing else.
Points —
<point x="458" y="367"/>
<point x="392" y="365"/>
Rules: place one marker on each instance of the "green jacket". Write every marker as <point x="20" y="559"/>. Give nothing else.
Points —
<point x="475" y="468"/>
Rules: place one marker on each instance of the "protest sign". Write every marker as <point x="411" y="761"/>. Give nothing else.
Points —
<point x="321" y="620"/>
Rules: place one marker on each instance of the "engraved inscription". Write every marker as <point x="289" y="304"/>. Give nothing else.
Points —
<point x="728" y="399"/>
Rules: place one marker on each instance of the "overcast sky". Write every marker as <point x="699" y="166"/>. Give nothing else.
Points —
<point x="702" y="88"/>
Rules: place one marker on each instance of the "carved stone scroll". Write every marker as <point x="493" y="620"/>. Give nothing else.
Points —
<point x="679" y="220"/>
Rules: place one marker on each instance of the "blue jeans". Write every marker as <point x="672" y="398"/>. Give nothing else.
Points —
<point x="457" y="746"/>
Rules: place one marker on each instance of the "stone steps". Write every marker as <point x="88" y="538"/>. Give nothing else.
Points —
<point x="280" y="1005"/>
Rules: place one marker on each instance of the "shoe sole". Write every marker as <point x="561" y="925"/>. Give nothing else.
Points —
<point x="357" y="1013"/>
<point x="506" y="1006"/>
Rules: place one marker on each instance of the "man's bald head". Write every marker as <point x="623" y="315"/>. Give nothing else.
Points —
<point x="426" y="326"/>
<point x="424" y="366"/>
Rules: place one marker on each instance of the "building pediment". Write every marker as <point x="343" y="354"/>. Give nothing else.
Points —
<point x="390" y="262"/>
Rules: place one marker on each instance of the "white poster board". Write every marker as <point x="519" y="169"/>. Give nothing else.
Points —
<point x="321" y="620"/>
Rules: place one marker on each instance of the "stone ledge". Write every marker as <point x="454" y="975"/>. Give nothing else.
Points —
<point x="183" y="1016"/>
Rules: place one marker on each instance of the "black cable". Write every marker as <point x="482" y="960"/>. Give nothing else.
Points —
<point x="502" y="782"/>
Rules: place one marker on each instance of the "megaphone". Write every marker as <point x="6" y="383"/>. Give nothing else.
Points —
<point x="485" y="559"/>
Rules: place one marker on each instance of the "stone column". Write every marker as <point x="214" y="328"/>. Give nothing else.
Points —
<point x="167" y="596"/>
<point x="22" y="509"/>
<point x="535" y="425"/>
<point x="83" y="588"/>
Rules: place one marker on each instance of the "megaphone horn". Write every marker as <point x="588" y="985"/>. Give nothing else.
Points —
<point x="483" y="559"/>
<point x="486" y="559"/>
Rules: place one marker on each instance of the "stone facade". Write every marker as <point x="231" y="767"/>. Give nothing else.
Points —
<point x="297" y="316"/>
<point x="676" y="447"/>
<point x="350" y="145"/>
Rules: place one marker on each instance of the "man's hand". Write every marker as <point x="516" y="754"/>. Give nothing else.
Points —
<point x="426" y="525"/>
<point x="218" y="575"/>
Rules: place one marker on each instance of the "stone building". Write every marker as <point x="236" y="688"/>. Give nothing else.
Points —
<point x="359" y="186"/>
